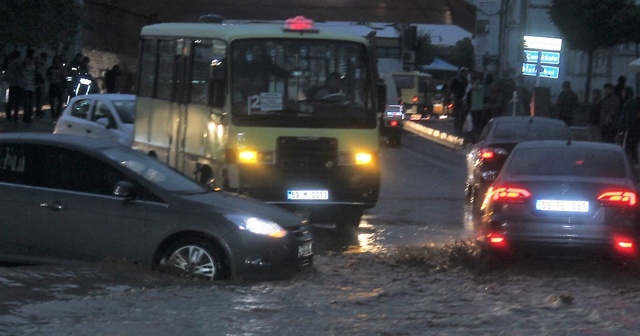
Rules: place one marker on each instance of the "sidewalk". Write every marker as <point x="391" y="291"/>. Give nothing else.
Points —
<point x="437" y="130"/>
<point x="43" y="125"/>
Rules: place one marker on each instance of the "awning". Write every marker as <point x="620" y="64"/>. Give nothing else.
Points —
<point x="441" y="65"/>
<point x="635" y="65"/>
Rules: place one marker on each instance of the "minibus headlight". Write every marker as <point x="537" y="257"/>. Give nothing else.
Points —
<point x="256" y="157"/>
<point x="248" y="156"/>
<point x="363" y="158"/>
<point x="351" y="159"/>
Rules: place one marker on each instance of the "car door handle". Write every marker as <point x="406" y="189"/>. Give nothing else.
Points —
<point x="55" y="206"/>
<point x="88" y="131"/>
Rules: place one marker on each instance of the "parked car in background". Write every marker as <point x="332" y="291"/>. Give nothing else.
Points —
<point x="69" y="197"/>
<point x="107" y="116"/>
<point x="558" y="197"/>
<point x="498" y="138"/>
<point x="393" y="112"/>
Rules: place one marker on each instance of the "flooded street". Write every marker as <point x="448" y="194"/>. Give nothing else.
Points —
<point x="344" y="294"/>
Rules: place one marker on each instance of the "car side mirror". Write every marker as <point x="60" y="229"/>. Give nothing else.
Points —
<point x="125" y="189"/>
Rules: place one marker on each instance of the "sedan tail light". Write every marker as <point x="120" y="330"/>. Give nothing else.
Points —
<point x="624" y="244"/>
<point x="618" y="198"/>
<point x="509" y="195"/>
<point x="490" y="153"/>
<point x="496" y="239"/>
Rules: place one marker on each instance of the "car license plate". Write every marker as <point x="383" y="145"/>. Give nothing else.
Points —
<point x="308" y="194"/>
<point x="305" y="250"/>
<point x="559" y="205"/>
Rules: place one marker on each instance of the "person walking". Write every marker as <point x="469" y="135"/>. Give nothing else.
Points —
<point x="56" y="76"/>
<point x="494" y="105"/>
<point x="623" y="91"/>
<point x="111" y="78"/>
<point x="14" y="79"/>
<point x="40" y="61"/>
<point x="476" y="98"/>
<point x="458" y="87"/>
<point x="567" y="103"/>
<point x="28" y="85"/>
<point x="595" y="133"/>
<point x="630" y="124"/>
<point x="609" y="114"/>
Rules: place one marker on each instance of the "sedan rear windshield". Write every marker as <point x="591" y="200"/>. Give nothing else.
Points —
<point x="517" y="132"/>
<point x="567" y="161"/>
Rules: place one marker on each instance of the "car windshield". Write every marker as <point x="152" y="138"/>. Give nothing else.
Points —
<point x="301" y="83"/>
<point x="531" y="131"/>
<point x="126" y="110"/>
<point x="153" y="170"/>
<point x="564" y="161"/>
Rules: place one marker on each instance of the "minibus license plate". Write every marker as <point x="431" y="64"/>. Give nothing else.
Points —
<point x="308" y="194"/>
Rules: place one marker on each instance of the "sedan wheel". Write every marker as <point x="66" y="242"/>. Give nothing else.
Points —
<point x="192" y="258"/>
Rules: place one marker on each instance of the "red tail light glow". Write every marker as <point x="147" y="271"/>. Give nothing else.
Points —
<point x="490" y="153"/>
<point x="496" y="240"/>
<point x="624" y="244"/>
<point x="415" y="99"/>
<point x="510" y="195"/>
<point x="618" y="198"/>
<point x="393" y="123"/>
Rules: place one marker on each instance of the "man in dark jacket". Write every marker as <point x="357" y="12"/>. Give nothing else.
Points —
<point x="567" y="103"/>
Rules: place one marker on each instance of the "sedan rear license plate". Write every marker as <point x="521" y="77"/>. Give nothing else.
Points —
<point x="307" y="194"/>
<point x="558" y="205"/>
<point x="305" y="250"/>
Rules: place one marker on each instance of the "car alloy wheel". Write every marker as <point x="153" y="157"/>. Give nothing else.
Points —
<point x="192" y="258"/>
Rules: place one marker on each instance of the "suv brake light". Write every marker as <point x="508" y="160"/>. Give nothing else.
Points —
<point x="618" y="198"/>
<point x="509" y="195"/>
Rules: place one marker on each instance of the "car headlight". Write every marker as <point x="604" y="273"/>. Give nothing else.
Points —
<point x="258" y="226"/>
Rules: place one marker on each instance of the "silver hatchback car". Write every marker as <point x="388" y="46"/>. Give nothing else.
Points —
<point x="67" y="197"/>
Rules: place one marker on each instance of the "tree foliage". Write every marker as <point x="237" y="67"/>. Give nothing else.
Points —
<point x="38" y="23"/>
<point x="425" y="50"/>
<point x="588" y="25"/>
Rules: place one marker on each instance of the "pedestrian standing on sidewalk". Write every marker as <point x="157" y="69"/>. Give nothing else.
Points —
<point x="630" y="125"/>
<point x="14" y="79"/>
<point x="458" y="87"/>
<point x="28" y="85"/>
<point x="56" y="76"/>
<point x="40" y="61"/>
<point x="476" y="98"/>
<point x="111" y="78"/>
<point x="567" y="103"/>
<point x="609" y="114"/>
<point x="595" y="133"/>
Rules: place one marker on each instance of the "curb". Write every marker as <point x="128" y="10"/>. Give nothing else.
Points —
<point x="440" y="137"/>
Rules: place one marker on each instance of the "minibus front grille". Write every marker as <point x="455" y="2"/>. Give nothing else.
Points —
<point x="307" y="156"/>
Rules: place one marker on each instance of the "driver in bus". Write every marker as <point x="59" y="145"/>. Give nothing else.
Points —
<point x="331" y="88"/>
